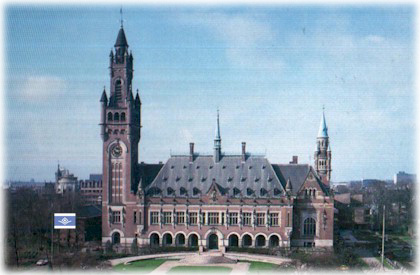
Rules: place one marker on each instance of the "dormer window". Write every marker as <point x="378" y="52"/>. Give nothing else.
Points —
<point x="249" y="191"/>
<point x="177" y="178"/>
<point x="203" y="179"/>
<point x="250" y="167"/>
<point x="230" y="179"/>
<point x="224" y="166"/>
<point x="211" y="167"/>
<point x="270" y="179"/>
<point x="256" y="179"/>
<point x="277" y="192"/>
<point x="172" y="167"/>
<point x="198" y="167"/>
<point x="263" y="167"/>
<point x="237" y="167"/>
<point x="183" y="191"/>
<point x="196" y="191"/>
<point x="190" y="179"/>
<point x="243" y="179"/>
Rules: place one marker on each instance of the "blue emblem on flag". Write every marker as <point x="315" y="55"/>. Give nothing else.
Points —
<point x="64" y="220"/>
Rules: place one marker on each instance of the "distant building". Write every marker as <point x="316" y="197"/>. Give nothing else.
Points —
<point x="91" y="190"/>
<point x="404" y="178"/>
<point x="352" y="212"/>
<point x="64" y="181"/>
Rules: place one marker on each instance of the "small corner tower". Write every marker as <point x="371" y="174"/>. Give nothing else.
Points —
<point x="322" y="155"/>
<point x="217" y="141"/>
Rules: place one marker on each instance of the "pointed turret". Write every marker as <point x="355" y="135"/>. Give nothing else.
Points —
<point x="104" y="98"/>
<point x="323" y="129"/>
<point x="121" y="39"/>
<point x="137" y="101"/>
<point x="217" y="141"/>
<point x="288" y="186"/>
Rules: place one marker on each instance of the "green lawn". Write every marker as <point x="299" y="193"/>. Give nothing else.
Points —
<point x="255" y="266"/>
<point x="202" y="269"/>
<point x="386" y="264"/>
<point x="142" y="267"/>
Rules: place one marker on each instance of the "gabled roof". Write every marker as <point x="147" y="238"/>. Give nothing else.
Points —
<point x="121" y="40"/>
<point x="297" y="174"/>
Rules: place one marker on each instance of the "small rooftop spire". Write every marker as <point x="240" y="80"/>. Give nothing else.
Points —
<point x="121" y="14"/>
<point x="217" y="126"/>
<point x="323" y="129"/>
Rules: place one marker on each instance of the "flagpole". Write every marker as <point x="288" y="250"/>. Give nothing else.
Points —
<point x="52" y="241"/>
<point x="383" y="237"/>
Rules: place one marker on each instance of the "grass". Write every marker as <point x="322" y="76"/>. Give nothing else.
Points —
<point x="142" y="267"/>
<point x="202" y="269"/>
<point x="386" y="264"/>
<point x="256" y="266"/>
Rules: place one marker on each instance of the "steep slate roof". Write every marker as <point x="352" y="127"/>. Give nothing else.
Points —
<point x="230" y="173"/>
<point x="121" y="40"/>
<point x="295" y="172"/>
<point x="147" y="173"/>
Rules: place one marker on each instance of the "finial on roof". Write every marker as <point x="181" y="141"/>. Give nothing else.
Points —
<point x="121" y="13"/>
<point x="288" y="185"/>
<point x="218" y="126"/>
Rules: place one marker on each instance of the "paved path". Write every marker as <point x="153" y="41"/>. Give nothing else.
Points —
<point x="196" y="259"/>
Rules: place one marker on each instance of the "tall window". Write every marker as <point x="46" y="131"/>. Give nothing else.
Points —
<point x="193" y="218"/>
<point x="309" y="227"/>
<point x="135" y="217"/>
<point x="233" y="218"/>
<point x="260" y="219"/>
<point x="154" y="217"/>
<point x="213" y="218"/>
<point x="117" y="182"/>
<point x="274" y="219"/>
<point x="109" y="116"/>
<point x="123" y="116"/>
<point x="180" y="217"/>
<point x="116" y="217"/>
<point x="167" y="217"/>
<point x="247" y="218"/>
<point x="118" y="95"/>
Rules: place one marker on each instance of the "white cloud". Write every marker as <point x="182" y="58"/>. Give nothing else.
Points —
<point x="39" y="88"/>
<point x="249" y="42"/>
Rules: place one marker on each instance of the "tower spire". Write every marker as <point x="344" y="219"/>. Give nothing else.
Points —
<point x="217" y="141"/>
<point x="121" y="14"/>
<point x="323" y="129"/>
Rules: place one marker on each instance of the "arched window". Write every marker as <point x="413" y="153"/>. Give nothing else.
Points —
<point x="116" y="116"/>
<point x="309" y="227"/>
<point x="123" y="116"/>
<point x="118" y="95"/>
<point x="109" y="116"/>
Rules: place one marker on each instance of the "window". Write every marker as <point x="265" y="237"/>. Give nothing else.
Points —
<point x="140" y="218"/>
<point x="135" y="217"/>
<point x="193" y="218"/>
<point x="109" y="116"/>
<point x="154" y="217"/>
<point x="116" y="116"/>
<point x="203" y="218"/>
<point x="309" y="227"/>
<point x="247" y="218"/>
<point x="233" y="218"/>
<point x="180" y="217"/>
<point x="118" y="95"/>
<point x="167" y="217"/>
<point x="213" y="218"/>
<point x="274" y="219"/>
<point x="122" y="116"/>
<point x="260" y="219"/>
<point x="288" y="219"/>
<point x="116" y="217"/>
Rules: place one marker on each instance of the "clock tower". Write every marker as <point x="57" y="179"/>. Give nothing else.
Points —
<point x="120" y="132"/>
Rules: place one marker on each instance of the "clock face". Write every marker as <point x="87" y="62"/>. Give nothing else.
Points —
<point x="117" y="151"/>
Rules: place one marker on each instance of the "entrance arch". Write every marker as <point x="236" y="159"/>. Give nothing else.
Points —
<point x="260" y="241"/>
<point x="274" y="241"/>
<point x="213" y="241"/>
<point x="154" y="240"/>
<point x="233" y="240"/>
<point x="167" y="239"/>
<point x="180" y="239"/>
<point x="193" y="240"/>
<point x="116" y="238"/>
<point x="246" y="240"/>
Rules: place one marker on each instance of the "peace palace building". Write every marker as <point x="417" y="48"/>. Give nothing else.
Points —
<point x="208" y="201"/>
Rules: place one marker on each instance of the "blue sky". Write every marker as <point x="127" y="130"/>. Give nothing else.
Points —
<point x="269" y="69"/>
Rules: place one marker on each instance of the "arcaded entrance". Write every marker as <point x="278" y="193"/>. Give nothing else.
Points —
<point x="213" y="242"/>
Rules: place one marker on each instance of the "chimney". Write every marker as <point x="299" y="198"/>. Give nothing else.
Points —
<point x="294" y="160"/>
<point x="243" y="151"/>
<point x="191" y="151"/>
